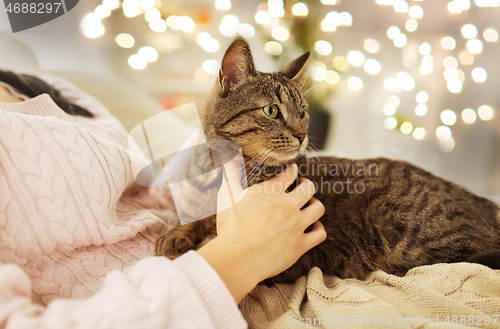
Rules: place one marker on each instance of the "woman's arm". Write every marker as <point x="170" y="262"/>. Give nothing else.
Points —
<point x="157" y="293"/>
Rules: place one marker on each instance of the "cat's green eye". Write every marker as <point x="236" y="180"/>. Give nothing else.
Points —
<point x="271" y="111"/>
<point x="302" y="113"/>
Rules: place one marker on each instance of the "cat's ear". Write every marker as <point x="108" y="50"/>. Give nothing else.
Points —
<point x="237" y="63"/>
<point x="294" y="69"/>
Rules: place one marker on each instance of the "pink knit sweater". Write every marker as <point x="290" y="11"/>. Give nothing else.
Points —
<point x="77" y="231"/>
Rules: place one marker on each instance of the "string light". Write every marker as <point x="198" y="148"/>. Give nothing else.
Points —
<point x="102" y="12"/>
<point x="372" y="66"/>
<point x="246" y="30"/>
<point x="152" y="15"/>
<point x="475" y="46"/>
<point x="466" y="58"/>
<point x="355" y="58"/>
<point x="485" y="112"/>
<point x="211" y="66"/>
<point x="447" y="145"/>
<point x="340" y="63"/>
<point x="345" y="19"/>
<point x="424" y="49"/>
<point x="416" y="12"/>
<point x="125" y="40"/>
<point x="422" y="97"/>
<point x="158" y="26"/>
<point x="389" y="109"/>
<point x="268" y="13"/>
<point x="448" y="43"/>
<point x="479" y="75"/>
<point x="443" y="133"/>
<point x="300" y="9"/>
<point x="411" y="25"/>
<point x="280" y="33"/>
<point x="454" y="86"/>
<point x="469" y="31"/>
<point x="354" y="83"/>
<point x="91" y="26"/>
<point x="323" y="47"/>
<point x="400" y="6"/>
<point x="273" y="48"/>
<point x="137" y="62"/>
<point x="371" y="46"/>
<point x="393" y="32"/>
<point x="172" y="22"/>
<point x="421" y="110"/>
<point x="390" y="123"/>
<point x="394" y="100"/>
<point x="147" y="4"/>
<point x="406" y="128"/>
<point x="223" y="4"/>
<point x="332" y="77"/>
<point x="131" y="8"/>
<point x="419" y="133"/>
<point x="400" y="40"/>
<point x="111" y="4"/>
<point x="490" y="35"/>
<point x="469" y="116"/>
<point x="448" y="117"/>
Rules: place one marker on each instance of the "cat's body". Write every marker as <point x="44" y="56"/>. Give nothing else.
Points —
<point x="380" y="213"/>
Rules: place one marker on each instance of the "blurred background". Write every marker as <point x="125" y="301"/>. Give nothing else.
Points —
<point x="411" y="80"/>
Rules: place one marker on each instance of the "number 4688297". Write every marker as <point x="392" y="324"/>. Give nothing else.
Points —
<point x="33" y="8"/>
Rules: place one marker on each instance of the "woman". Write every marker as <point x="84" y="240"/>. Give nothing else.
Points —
<point x="76" y="230"/>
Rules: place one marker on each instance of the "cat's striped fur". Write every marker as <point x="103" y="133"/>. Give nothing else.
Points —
<point x="403" y="217"/>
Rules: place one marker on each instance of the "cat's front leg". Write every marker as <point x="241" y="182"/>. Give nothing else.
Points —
<point x="183" y="238"/>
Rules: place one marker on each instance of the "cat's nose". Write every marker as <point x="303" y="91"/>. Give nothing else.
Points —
<point x="300" y="137"/>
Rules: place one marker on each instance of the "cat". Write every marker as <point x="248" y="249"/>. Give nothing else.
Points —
<point x="381" y="214"/>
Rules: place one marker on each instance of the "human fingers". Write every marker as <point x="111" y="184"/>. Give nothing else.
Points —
<point x="315" y="236"/>
<point x="231" y="191"/>
<point x="284" y="179"/>
<point x="233" y="173"/>
<point x="310" y="214"/>
<point x="304" y="191"/>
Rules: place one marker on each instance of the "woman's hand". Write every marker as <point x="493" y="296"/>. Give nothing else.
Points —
<point x="263" y="234"/>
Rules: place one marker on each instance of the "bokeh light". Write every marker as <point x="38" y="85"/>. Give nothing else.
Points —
<point x="485" y="112"/>
<point x="390" y="123"/>
<point x="448" y="117"/>
<point x="448" y="43"/>
<point x="469" y="116"/>
<point x="419" y="133"/>
<point x="125" y="40"/>
<point x="354" y="83"/>
<point x="443" y="133"/>
<point x="422" y="97"/>
<point x="421" y="110"/>
<point x="490" y="35"/>
<point x="406" y="128"/>
<point x="371" y="45"/>
<point x="479" y="75"/>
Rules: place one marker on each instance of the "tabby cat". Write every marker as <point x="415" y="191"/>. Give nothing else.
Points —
<point x="380" y="213"/>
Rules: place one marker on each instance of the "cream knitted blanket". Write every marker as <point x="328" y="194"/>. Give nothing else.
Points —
<point x="437" y="296"/>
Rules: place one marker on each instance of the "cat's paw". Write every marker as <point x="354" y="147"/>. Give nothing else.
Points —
<point x="172" y="246"/>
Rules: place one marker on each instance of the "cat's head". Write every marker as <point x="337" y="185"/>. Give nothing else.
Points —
<point x="265" y="113"/>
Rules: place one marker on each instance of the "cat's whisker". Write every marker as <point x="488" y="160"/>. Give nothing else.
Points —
<point x="314" y="87"/>
<point x="308" y="75"/>
<point x="311" y="148"/>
